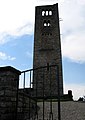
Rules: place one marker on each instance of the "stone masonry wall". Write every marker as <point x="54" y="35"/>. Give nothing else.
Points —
<point x="47" y="47"/>
<point x="9" y="78"/>
<point x="15" y="104"/>
<point x="26" y="106"/>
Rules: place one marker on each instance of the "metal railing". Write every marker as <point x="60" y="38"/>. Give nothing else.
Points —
<point x="30" y="87"/>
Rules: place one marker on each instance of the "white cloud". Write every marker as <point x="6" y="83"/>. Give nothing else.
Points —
<point x="72" y="14"/>
<point x="4" y="38"/>
<point x="4" y="56"/>
<point x="18" y="15"/>
<point x="48" y="2"/>
<point x="73" y="47"/>
<point x="77" y="90"/>
<point x="73" y="30"/>
<point x="81" y="2"/>
<point x="17" y="18"/>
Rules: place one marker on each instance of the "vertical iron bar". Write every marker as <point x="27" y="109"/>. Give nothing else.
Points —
<point x="51" y="114"/>
<point x="17" y="98"/>
<point x="24" y="81"/>
<point x="30" y="79"/>
<point x="36" y="94"/>
<point x="23" y="94"/>
<point x="43" y="92"/>
<point x="59" y="112"/>
<point x="29" y="95"/>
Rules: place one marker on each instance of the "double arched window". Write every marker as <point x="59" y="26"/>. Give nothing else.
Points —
<point x="47" y="13"/>
<point x="46" y="23"/>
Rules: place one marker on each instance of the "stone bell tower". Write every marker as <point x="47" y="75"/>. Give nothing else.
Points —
<point x="47" y="49"/>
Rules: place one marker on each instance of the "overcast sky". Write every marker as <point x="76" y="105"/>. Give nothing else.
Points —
<point x="17" y="31"/>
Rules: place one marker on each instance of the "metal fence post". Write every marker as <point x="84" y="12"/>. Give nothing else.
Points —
<point x="59" y="111"/>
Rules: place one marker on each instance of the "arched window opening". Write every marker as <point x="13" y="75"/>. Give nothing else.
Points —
<point x="45" y="24"/>
<point x="43" y="13"/>
<point x="46" y="13"/>
<point x="48" y="23"/>
<point x="50" y="12"/>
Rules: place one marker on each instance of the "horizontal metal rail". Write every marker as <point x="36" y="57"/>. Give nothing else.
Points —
<point x="39" y="68"/>
<point x="44" y="98"/>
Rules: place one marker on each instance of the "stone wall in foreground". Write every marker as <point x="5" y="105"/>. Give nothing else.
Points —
<point x="15" y="104"/>
<point x="69" y="110"/>
<point x="9" y="80"/>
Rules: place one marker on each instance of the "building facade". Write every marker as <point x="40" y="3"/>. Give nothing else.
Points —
<point x="47" y="51"/>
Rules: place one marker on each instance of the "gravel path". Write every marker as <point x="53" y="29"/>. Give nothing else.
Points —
<point x="69" y="111"/>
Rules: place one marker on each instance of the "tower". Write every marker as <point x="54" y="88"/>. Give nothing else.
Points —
<point x="47" y="50"/>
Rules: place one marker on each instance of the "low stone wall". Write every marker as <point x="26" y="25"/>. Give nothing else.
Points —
<point x="15" y="103"/>
<point x="26" y="106"/>
<point x="69" y="110"/>
<point x="9" y="80"/>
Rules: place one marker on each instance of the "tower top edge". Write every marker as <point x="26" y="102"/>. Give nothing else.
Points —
<point x="56" y="4"/>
